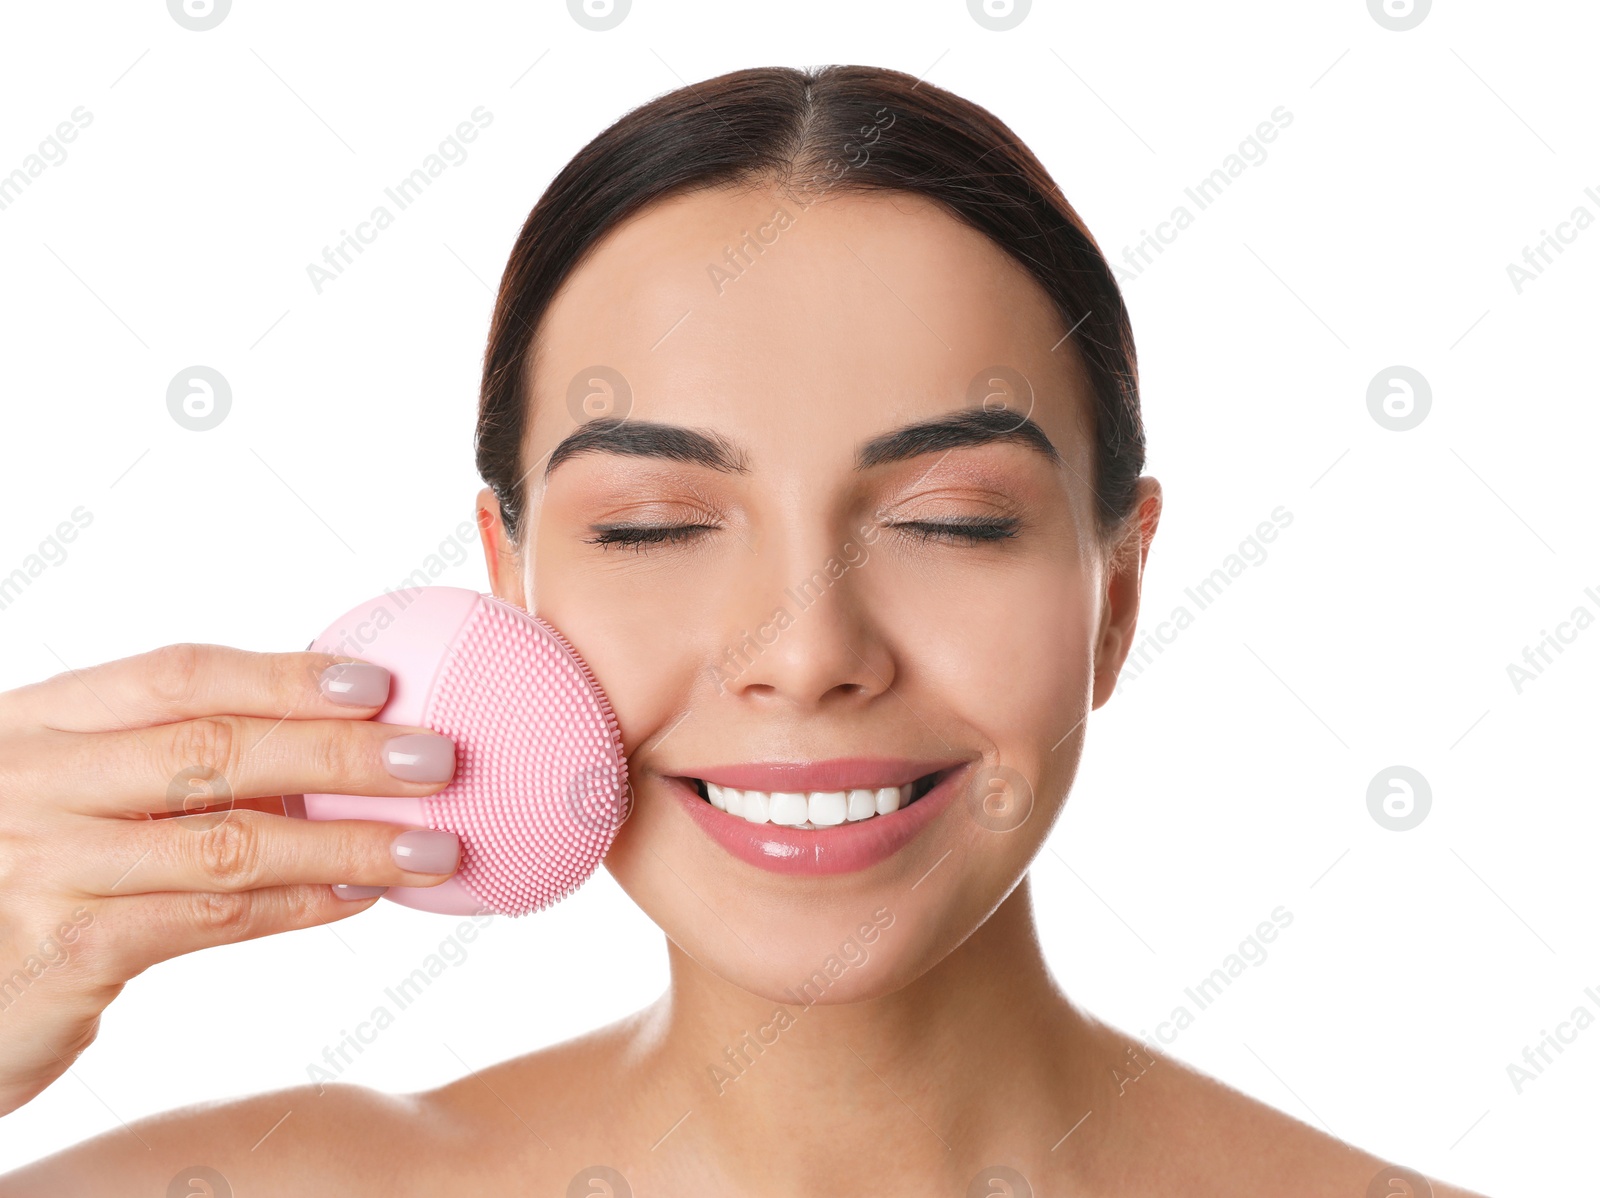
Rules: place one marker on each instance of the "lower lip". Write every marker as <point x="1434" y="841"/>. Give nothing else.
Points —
<point x="843" y="848"/>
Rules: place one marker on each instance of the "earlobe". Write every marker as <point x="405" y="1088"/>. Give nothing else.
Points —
<point x="1108" y="660"/>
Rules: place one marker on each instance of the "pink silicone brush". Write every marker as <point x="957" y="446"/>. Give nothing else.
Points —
<point x="541" y="781"/>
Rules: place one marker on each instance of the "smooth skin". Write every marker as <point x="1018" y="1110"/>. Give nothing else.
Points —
<point x="946" y="1047"/>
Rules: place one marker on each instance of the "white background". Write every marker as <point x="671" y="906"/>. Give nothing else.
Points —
<point x="1228" y="779"/>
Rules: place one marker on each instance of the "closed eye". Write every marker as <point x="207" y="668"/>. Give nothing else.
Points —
<point x="972" y="529"/>
<point x="637" y="536"/>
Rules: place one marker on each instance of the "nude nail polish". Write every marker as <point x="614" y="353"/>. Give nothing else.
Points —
<point x="353" y="893"/>
<point x="420" y="757"/>
<point x="426" y="851"/>
<point x="355" y="684"/>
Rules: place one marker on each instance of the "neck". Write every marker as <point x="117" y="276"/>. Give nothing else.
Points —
<point x="980" y="1055"/>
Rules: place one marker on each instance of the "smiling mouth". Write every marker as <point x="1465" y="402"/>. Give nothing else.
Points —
<point x="816" y="808"/>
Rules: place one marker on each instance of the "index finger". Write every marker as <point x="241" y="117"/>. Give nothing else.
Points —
<point x="186" y="681"/>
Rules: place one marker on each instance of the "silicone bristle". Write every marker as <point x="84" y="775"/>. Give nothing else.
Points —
<point x="541" y="778"/>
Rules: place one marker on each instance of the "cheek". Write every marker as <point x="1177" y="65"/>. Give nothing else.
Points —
<point x="643" y="633"/>
<point x="1005" y="651"/>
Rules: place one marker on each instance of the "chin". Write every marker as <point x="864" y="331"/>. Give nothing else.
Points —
<point x="840" y="959"/>
<point x="804" y="941"/>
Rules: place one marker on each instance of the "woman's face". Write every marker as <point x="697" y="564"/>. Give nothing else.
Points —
<point x="815" y="609"/>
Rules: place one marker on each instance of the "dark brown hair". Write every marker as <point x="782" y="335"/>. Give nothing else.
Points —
<point x="808" y="131"/>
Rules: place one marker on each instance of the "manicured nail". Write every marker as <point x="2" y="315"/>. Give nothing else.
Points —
<point x="425" y="851"/>
<point x="355" y="684"/>
<point x="420" y="757"/>
<point x="352" y="893"/>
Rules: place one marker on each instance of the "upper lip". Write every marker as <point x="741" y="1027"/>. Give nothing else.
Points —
<point x="837" y="773"/>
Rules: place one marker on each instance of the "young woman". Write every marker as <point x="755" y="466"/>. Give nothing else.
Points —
<point x="810" y="415"/>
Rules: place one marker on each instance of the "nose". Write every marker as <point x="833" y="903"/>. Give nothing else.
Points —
<point x="805" y="631"/>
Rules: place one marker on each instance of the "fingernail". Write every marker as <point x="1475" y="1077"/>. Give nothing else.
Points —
<point x="351" y="893"/>
<point x="425" y="851"/>
<point x="355" y="683"/>
<point x="420" y="757"/>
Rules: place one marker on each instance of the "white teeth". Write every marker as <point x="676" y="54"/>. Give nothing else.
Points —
<point x="815" y="809"/>
<point x="757" y="805"/>
<point x="827" y="808"/>
<point x="789" y="809"/>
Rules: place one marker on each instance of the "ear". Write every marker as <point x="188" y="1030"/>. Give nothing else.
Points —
<point x="499" y="552"/>
<point x="1125" y="579"/>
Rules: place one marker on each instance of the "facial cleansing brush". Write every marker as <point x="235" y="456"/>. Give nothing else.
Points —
<point x="541" y="781"/>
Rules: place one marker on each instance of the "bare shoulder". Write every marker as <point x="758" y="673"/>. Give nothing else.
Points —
<point x="543" y="1117"/>
<point x="334" y="1139"/>
<point x="344" y="1140"/>
<point x="1218" y="1140"/>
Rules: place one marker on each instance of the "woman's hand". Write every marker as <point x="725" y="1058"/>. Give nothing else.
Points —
<point x="97" y="884"/>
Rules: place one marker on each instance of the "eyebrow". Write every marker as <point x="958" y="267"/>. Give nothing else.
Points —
<point x="649" y="439"/>
<point x="969" y="426"/>
<point x="676" y="443"/>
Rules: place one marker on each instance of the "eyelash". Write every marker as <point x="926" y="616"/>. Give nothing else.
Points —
<point x="637" y="536"/>
<point x="968" y="529"/>
<point x="971" y="531"/>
